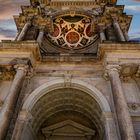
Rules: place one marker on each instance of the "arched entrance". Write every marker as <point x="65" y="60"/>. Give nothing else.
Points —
<point x="60" y="112"/>
<point x="67" y="113"/>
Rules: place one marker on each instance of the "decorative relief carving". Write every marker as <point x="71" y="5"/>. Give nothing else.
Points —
<point x="134" y="107"/>
<point x="67" y="79"/>
<point x="126" y="71"/>
<point x="6" y="72"/>
<point x="129" y="69"/>
<point x="73" y="32"/>
<point x="20" y="63"/>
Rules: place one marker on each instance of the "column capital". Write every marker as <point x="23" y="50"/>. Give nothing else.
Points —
<point x="42" y="27"/>
<point x="111" y="68"/>
<point x="21" y="67"/>
<point x="21" y="63"/>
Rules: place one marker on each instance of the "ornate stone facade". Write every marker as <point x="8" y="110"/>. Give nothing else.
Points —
<point x="71" y="73"/>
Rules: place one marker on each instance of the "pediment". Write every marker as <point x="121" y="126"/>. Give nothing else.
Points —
<point x="68" y="128"/>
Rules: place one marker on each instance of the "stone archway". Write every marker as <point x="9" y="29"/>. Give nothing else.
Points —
<point x="63" y="111"/>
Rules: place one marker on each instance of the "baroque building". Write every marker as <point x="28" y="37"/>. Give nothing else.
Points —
<point x="70" y="74"/>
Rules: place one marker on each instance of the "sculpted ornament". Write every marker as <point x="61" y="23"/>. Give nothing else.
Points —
<point x="110" y="68"/>
<point x="6" y="72"/>
<point x="95" y="12"/>
<point x="134" y="107"/>
<point x="73" y="32"/>
<point x="67" y="79"/>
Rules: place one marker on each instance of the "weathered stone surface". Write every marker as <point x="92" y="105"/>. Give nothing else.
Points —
<point x="123" y="116"/>
<point x="10" y="101"/>
<point x="66" y="82"/>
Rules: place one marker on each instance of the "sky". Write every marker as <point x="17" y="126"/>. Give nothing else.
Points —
<point x="8" y="8"/>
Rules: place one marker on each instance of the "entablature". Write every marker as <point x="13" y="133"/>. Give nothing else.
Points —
<point x="11" y="50"/>
<point x="63" y="3"/>
<point x="123" y="57"/>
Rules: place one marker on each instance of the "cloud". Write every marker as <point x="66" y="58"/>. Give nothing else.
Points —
<point x="7" y="32"/>
<point x="8" y="8"/>
<point x="134" y="33"/>
<point x="136" y="0"/>
<point x="7" y="29"/>
<point x="135" y="9"/>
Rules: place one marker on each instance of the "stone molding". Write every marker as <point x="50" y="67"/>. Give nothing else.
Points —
<point x="67" y="80"/>
<point x="59" y="83"/>
<point x="107" y="116"/>
<point x="81" y="129"/>
<point x="53" y="85"/>
<point x="126" y="71"/>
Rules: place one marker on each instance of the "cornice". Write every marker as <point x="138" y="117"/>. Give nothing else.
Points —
<point x="20" y="49"/>
<point x="123" y="47"/>
<point x="71" y="2"/>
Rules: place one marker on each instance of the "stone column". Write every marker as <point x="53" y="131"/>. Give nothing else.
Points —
<point x="126" y="36"/>
<point x="122" y="112"/>
<point x="102" y="34"/>
<point x="40" y="36"/>
<point x="18" y="33"/>
<point x="118" y="30"/>
<point x="23" y="31"/>
<point x="21" y="124"/>
<point x="10" y="101"/>
<point x="110" y="129"/>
